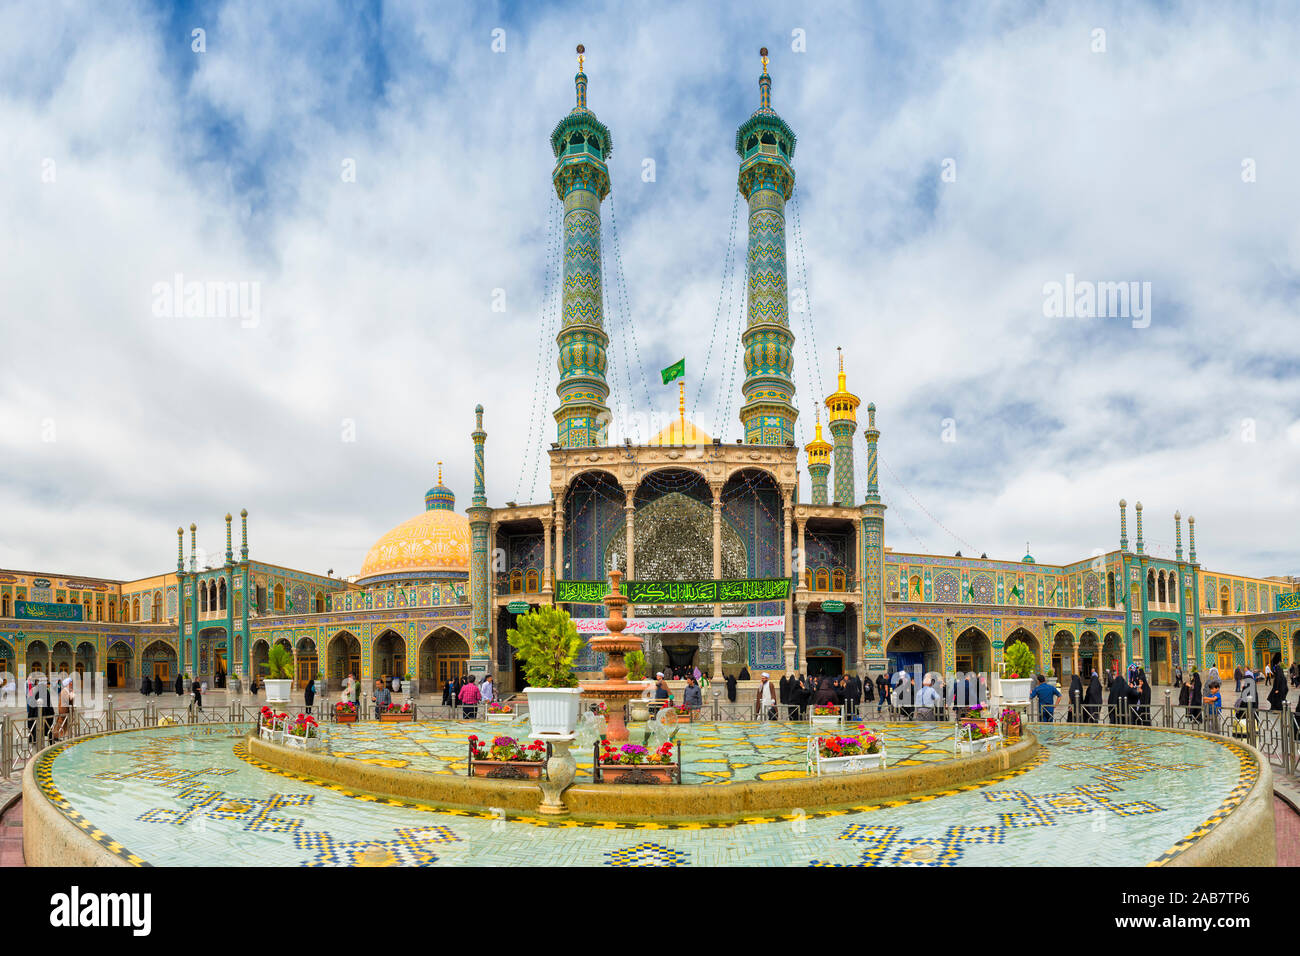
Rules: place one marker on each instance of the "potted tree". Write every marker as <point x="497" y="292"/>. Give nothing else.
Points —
<point x="547" y="643"/>
<point x="1019" y="666"/>
<point x="408" y="685"/>
<point x="279" y="677"/>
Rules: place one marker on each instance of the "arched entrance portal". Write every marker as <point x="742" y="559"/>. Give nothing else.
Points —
<point x="1063" y="656"/>
<point x="344" y="658"/>
<point x="86" y="657"/>
<point x="7" y="665"/>
<point x="1162" y="639"/>
<point x="444" y="656"/>
<point x="915" y="650"/>
<point x="261" y="649"/>
<point x="1226" y="652"/>
<point x="388" y="657"/>
<point x="1112" y="653"/>
<point x="1022" y="636"/>
<point x="159" y="662"/>
<point x="1089" y="655"/>
<point x="120" y="660"/>
<point x="61" y="660"/>
<point x="1266" y="645"/>
<point x="305" y="660"/>
<point x="974" y="651"/>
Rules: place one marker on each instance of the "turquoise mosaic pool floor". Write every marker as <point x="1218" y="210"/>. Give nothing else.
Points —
<point x="714" y="754"/>
<point x="191" y="796"/>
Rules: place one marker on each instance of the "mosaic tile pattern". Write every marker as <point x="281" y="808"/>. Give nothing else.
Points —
<point x="716" y="754"/>
<point x="190" y="796"/>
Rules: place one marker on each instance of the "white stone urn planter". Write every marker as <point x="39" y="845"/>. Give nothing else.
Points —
<point x="980" y="746"/>
<point x="819" y="765"/>
<point x="553" y="710"/>
<point x="1015" y="690"/>
<point x="277" y="691"/>
<point x="826" y="720"/>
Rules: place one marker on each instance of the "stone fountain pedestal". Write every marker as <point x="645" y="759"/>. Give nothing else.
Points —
<point x="614" y="690"/>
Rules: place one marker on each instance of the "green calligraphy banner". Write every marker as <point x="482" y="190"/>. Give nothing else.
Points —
<point x="41" y="611"/>
<point x="751" y="591"/>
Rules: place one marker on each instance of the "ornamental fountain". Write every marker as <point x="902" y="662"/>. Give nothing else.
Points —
<point x="614" y="690"/>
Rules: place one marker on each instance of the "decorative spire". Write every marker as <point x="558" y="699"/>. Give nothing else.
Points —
<point x="580" y="81"/>
<point x="819" y="462"/>
<point x="439" y="497"/>
<point x="243" y="535"/>
<point x="764" y="83"/>
<point x="194" y="543"/>
<point x="1123" y="525"/>
<point x="1138" y="509"/>
<point x="843" y="408"/>
<point x="1191" y="534"/>
<point x="230" y="554"/>
<point x="1178" y="536"/>
<point x="873" y="475"/>
<point x="180" y="550"/>
<point x="480" y="439"/>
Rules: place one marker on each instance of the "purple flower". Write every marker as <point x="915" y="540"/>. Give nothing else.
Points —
<point x="633" y="749"/>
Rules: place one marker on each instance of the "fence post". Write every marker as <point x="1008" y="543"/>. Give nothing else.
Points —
<point x="110" y="721"/>
<point x="1169" y="713"/>
<point x="1250" y="723"/>
<point x="7" y="747"/>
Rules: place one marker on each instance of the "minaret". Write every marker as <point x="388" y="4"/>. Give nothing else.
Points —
<point x="243" y="535"/>
<point x="843" y="407"/>
<point x="872" y="535"/>
<point x="1123" y="525"/>
<point x="245" y="583"/>
<point x="230" y="554"/>
<point x="819" y="463"/>
<point x="480" y="555"/>
<point x="1191" y="534"/>
<point x="1178" y="536"/>
<point x="766" y="147"/>
<point x="180" y="550"/>
<point x="194" y="544"/>
<point x="581" y="144"/>
<point x="1138" y="508"/>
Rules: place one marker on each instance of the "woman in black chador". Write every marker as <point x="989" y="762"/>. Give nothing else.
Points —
<point x="1092" y="700"/>
<point x="1076" y="696"/>
<point x="1194" y="698"/>
<point x="731" y="688"/>
<point x="1118" y="693"/>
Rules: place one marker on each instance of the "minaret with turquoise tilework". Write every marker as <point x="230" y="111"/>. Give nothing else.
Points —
<point x="766" y="147"/>
<point x="843" y="409"/>
<point x="819" y="464"/>
<point x="581" y="144"/>
<point x="480" y="556"/>
<point x="872" y="551"/>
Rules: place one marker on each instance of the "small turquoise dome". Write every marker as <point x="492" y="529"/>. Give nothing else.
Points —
<point x="1028" y="559"/>
<point x="439" y="497"/>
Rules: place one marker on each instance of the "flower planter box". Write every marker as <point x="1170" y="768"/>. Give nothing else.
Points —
<point x="854" y="764"/>
<point x="674" y="717"/>
<point x="277" y="691"/>
<point x="640" y="773"/>
<point x="395" y="718"/>
<point x="302" y="743"/>
<point x="273" y="734"/>
<point x="553" y="710"/>
<point x="345" y="718"/>
<point x="826" y="720"/>
<point x="507" y="769"/>
<point x="980" y="746"/>
<point x="502" y="718"/>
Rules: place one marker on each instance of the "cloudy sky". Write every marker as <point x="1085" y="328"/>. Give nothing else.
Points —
<point x="380" y="174"/>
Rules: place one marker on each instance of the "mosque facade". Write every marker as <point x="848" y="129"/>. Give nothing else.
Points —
<point x="729" y="563"/>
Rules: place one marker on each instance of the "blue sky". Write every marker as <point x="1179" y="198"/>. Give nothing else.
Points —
<point x="129" y="158"/>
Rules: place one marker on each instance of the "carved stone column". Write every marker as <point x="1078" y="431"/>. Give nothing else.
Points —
<point x="716" y="646"/>
<point x="548" y="527"/>
<point x="788" y="648"/>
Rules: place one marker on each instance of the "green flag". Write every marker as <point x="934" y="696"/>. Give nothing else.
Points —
<point x="1015" y="589"/>
<point x="970" y="591"/>
<point x="674" y="371"/>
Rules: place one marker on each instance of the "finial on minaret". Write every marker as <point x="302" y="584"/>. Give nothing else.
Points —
<point x="764" y="83"/>
<point x="580" y="81"/>
<point x="681" y="409"/>
<point x="439" y="472"/>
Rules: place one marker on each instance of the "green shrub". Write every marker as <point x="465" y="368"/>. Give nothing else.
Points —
<point x="1019" y="660"/>
<point x="279" y="663"/>
<point x="635" y="661"/>
<point x="547" y="643"/>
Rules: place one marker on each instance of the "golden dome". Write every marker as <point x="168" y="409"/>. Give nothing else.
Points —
<point x="681" y="432"/>
<point x="436" y="540"/>
<point x="843" y="404"/>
